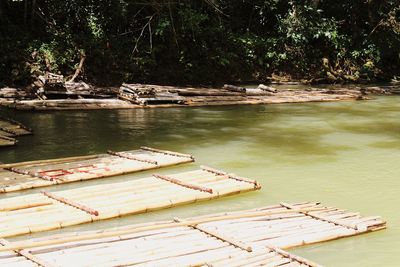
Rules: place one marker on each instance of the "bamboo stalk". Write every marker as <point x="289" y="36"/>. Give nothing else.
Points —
<point x="131" y="157"/>
<point x="40" y="162"/>
<point x="27" y="255"/>
<point x="167" y="152"/>
<point x="217" y="235"/>
<point x="29" y="244"/>
<point x="231" y="176"/>
<point x="71" y="203"/>
<point x="184" y="184"/>
<point x="322" y="218"/>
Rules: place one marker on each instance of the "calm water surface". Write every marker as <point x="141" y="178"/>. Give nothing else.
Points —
<point x="343" y="154"/>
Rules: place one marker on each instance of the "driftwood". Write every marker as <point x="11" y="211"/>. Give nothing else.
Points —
<point x="234" y="88"/>
<point x="267" y="88"/>
<point x="148" y="95"/>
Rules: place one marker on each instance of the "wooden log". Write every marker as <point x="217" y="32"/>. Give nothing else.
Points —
<point x="267" y="88"/>
<point x="71" y="203"/>
<point x="234" y="88"/>
<point x="184" y="184"/>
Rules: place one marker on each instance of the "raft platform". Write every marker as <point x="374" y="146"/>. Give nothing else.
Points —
<point x="245" y="238"/>
<point x="32" y="174"/>
<point x="53" y="210"/>
<point x="9" y="129"/>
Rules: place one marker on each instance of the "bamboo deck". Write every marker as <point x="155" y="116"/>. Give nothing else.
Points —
<point x="10" y="129"/>
<point x="26" y="175"/>
<point x="246" y="238"/>
<point x="47" y="211"/>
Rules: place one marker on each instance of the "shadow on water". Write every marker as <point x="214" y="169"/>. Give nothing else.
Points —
<point x="291" y="129"/>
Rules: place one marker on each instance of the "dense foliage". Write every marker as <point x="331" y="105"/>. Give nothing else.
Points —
<point x="199" y="41"/>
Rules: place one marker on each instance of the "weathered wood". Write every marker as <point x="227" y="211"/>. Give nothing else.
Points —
<point x="234" y="88"/>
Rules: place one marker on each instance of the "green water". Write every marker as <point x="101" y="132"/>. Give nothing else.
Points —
<point x="344" y="154"/>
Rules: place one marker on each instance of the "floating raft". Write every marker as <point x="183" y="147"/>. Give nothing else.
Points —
<point x="7" y="141"/>
<point x="10" y="129"/>
<point x="46" y="211"/>
<point x="246" y="238"/>
<point x="26" y="175"/>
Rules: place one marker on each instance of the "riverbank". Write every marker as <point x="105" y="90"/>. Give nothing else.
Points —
<point x="133" y="96"/>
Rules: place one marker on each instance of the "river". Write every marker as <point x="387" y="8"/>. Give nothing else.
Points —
<point x="343" y="154"/>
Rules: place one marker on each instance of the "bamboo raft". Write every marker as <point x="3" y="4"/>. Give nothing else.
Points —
<point x="245" y="238"/>
<point x="47" y="211"/>
<point x="32" y="174"/>
<point x="10" y="129"/>
<point x="134" y="96"/>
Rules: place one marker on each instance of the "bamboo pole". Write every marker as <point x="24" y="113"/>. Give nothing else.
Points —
<point x="27" y="255"/>
<point x="184" y="184"/>
<point x="217" y="235"/>
<point x="40" y="162"/>
<point x="31" y="244"/>
<point x="121" y="155"/>
<point x="323" y="218"/>
<point x="71" y="203"/>
<point x="167" y="152"/>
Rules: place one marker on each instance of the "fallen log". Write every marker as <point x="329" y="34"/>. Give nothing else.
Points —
<point x="267" y="88"/>
<point x="234" y="88"/>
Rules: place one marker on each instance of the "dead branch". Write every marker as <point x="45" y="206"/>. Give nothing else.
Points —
<point x="80" y="66"/>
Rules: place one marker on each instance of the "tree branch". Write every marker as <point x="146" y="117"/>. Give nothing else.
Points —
<point x="79" y="68"/>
